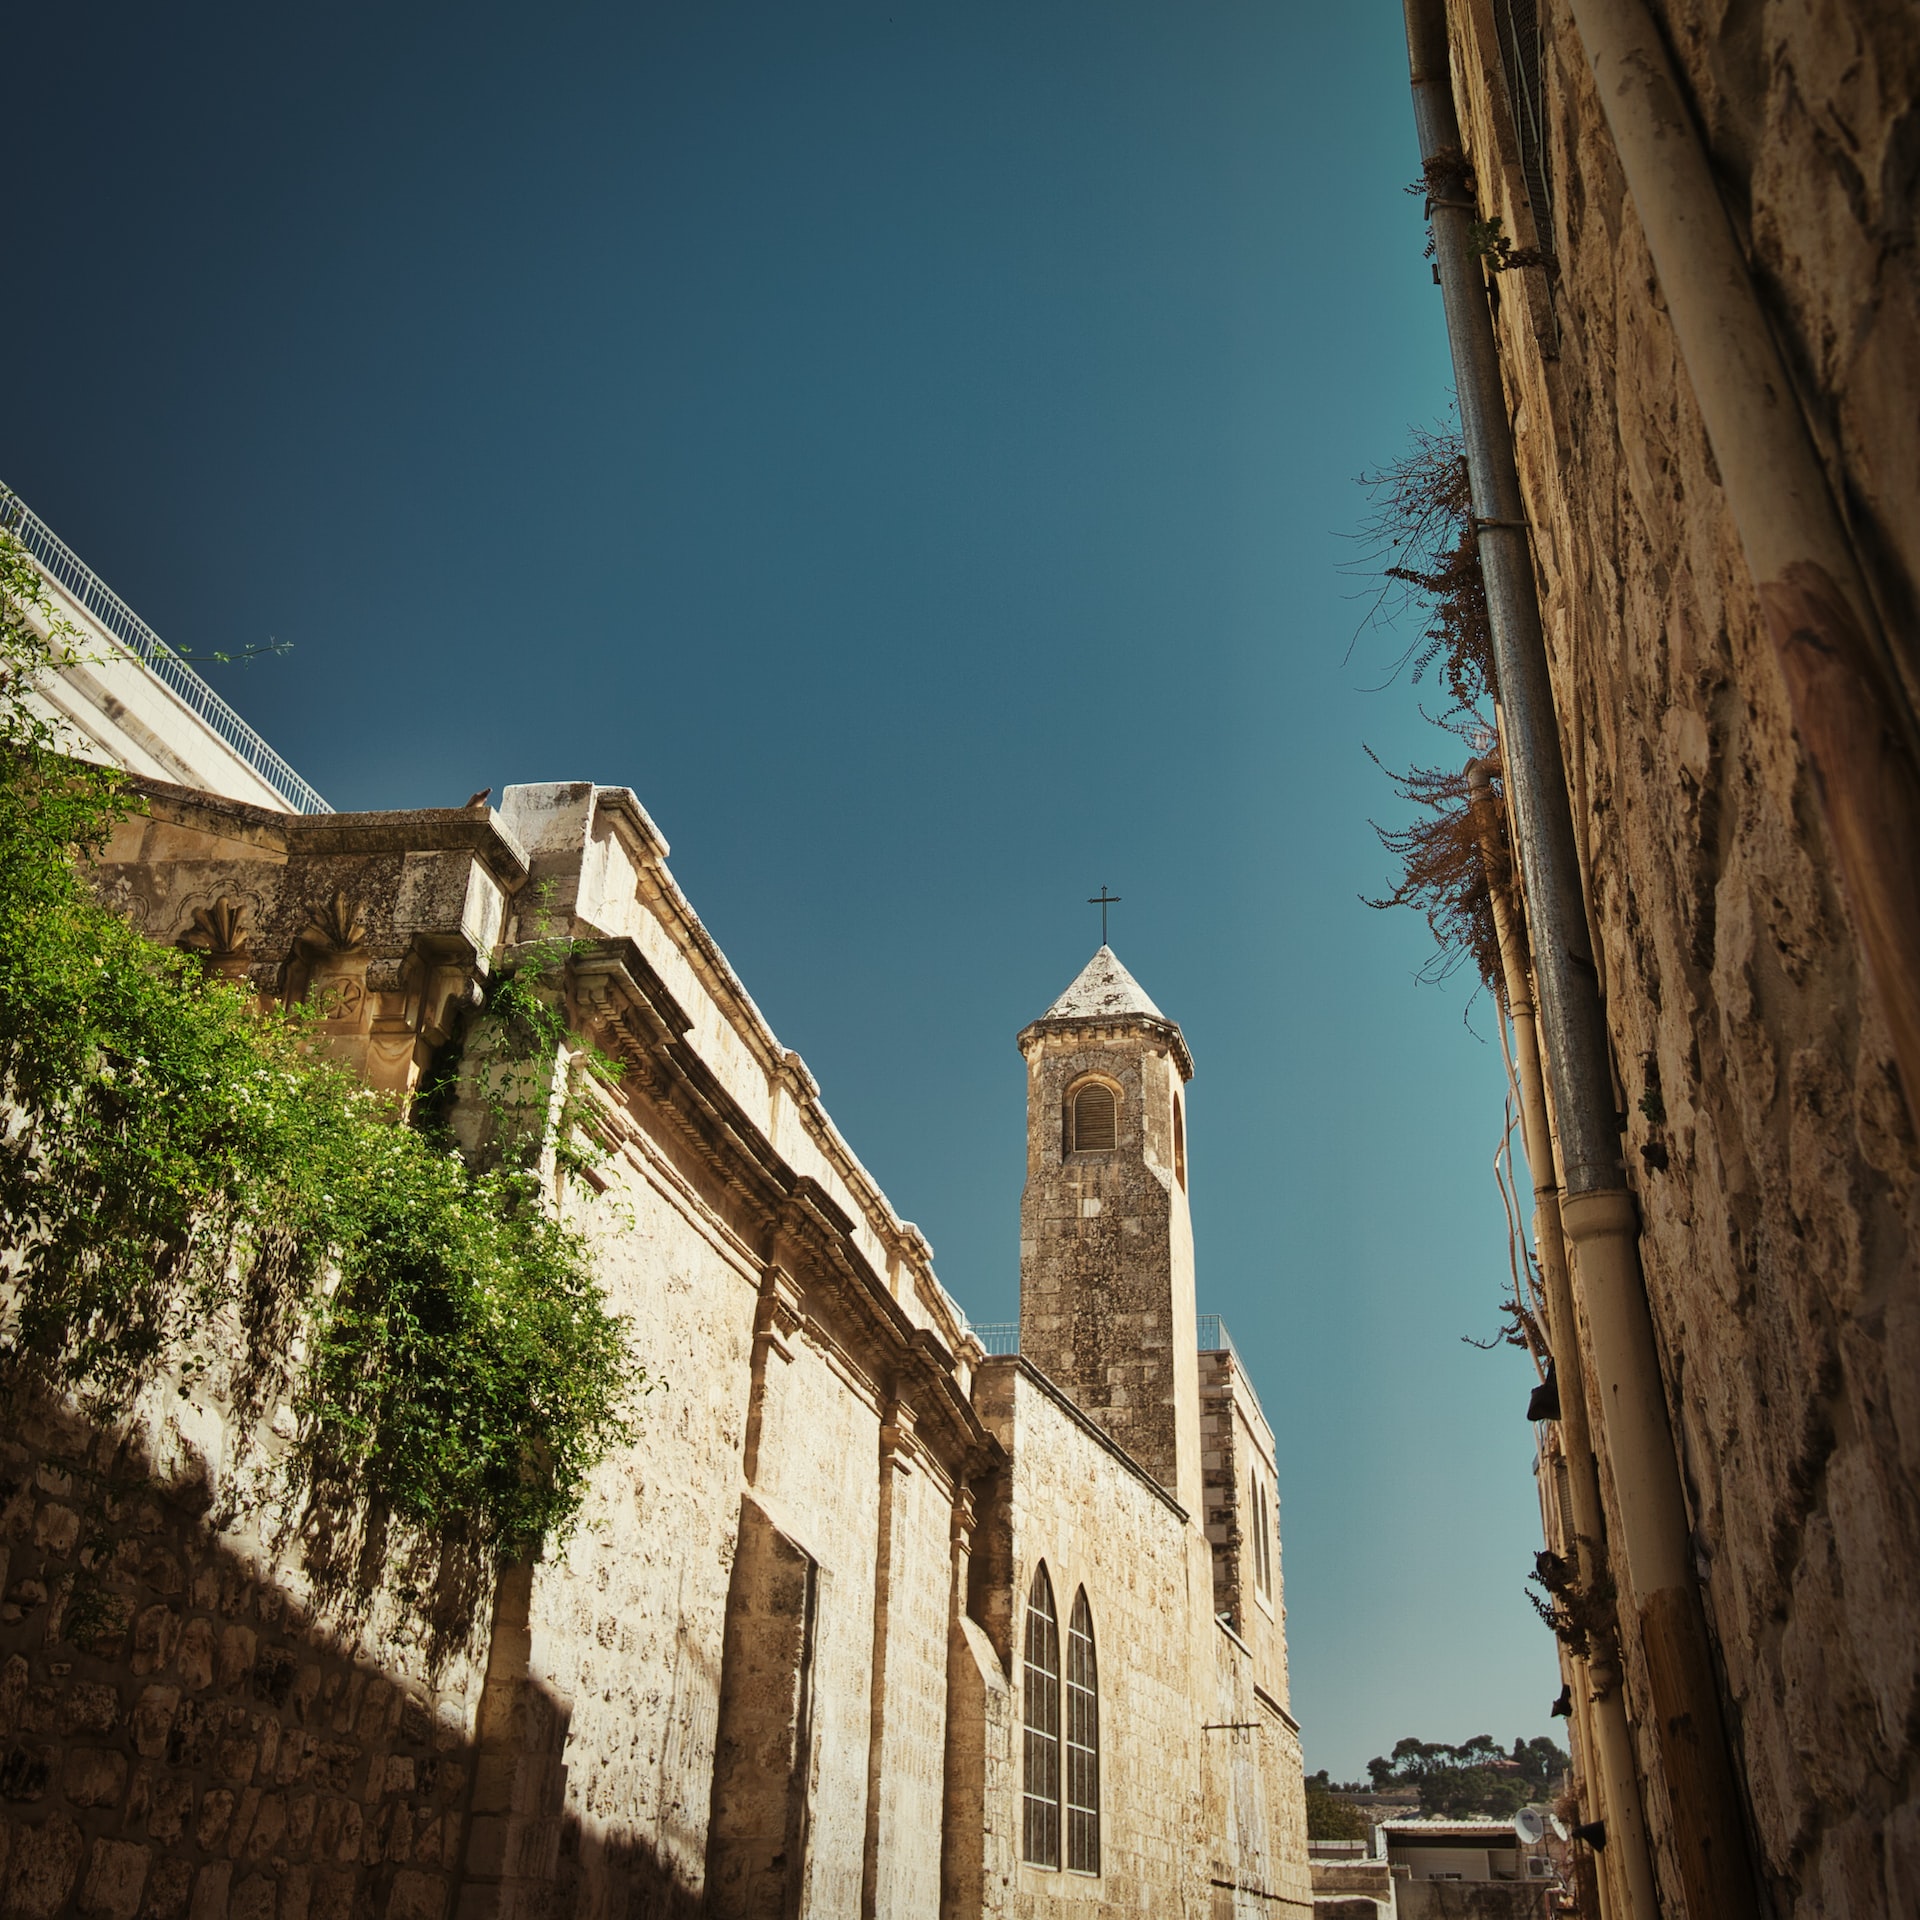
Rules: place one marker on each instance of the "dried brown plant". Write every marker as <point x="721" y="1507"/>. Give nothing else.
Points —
<point x="1425" y="553"/>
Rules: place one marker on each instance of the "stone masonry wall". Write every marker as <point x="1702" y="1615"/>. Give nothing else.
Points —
<point x="627" y="1625"/>
<point x="186" y="1733"/>
<point x="1237" y="1442"/>
<point x="190" y="1735"/>
<point x="759" y="1592"/>
<point x="1767" y="1142"/>
<point x="1098" y="1525"/>
<point x="1256" y="1799"/>
<point x="908" y="1775"/>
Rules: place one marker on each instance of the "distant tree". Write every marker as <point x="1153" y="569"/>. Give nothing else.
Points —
<point x="1466" y="1793"/>
<point x="1540" y="1761"/>
<point x="1328" y="1816"/>
<point x="1475" y="1778"/>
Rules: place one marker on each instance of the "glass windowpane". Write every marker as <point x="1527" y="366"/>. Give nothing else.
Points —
<point x="1083" y="1742"/>
<point x="1040" y="1803"/>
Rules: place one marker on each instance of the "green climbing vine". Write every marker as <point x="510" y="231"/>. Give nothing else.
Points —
<point x="190" y="1190"/>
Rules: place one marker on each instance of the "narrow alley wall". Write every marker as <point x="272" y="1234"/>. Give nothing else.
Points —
<point x="1766" y="1137"/>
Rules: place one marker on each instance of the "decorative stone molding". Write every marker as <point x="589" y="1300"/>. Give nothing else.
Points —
<point x="781" y="1313"/>
<point x="219" y="936"/>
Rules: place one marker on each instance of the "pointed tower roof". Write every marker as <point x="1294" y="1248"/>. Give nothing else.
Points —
<point x="1103" y="990"/>
<point x="1105" y="994"/>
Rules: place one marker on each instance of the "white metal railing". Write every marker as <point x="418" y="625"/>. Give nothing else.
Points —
<point x="1003" y="1336"/>
<point x="87" y="590"/>
<point x="1214" y="1337"/>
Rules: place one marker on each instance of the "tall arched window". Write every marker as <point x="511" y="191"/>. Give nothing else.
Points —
<point x="1260" y="1525"/>
<point x="1040" y="1808"/>
<point x="1094" y="1125"/>
<point x="1083" y="1742"/>
<point x="1179" y="1144"/>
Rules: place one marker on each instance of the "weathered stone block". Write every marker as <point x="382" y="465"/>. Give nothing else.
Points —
<point x="214" y="1818"/>
<point x="235" y="1758"/>
<point x="152" y="1720"/>
<point x="193" y="1657"/>
<point x="268" y="1827"/>
<point x="169" y="1885"/>
<point x="56" y="1529"/>
<point x="42" y="1865"/>
<point x="89" y="1707"/>
<point x="94" y="1777"/>
<point x="332" y="1894"/>
<point x="244" y="1814"/>
<point x="155" y="1630"/>
<point x="171" y="1806"/>
<point x="416" y="1896"/>
<point x="257" y="1897"/>
<point x="235" y="1657"/>
<point x="116" y="1878"/>
<point x="25" y="1772"/>
<point x="210" y="1888"/>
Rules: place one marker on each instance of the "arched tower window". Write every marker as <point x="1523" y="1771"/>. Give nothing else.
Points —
<point x="1083" y="1741"/>
<point x="1260" y="1524"/>
<point x="1040" y="1806"/>
<point x="1094" y="1123"/>
<point x="1179" y="1144"/>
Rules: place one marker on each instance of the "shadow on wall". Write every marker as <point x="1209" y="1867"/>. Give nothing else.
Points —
<point x="181" y="1736"/>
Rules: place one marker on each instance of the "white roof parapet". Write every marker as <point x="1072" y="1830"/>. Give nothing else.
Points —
<point x="122" y="628"/>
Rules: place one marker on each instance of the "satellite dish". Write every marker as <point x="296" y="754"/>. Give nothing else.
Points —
<point x="1560" y="1829"/>
<point x="1530" y="1823"/>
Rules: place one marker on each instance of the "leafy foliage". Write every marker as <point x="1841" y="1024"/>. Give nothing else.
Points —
<point x="1474" y="1778"/>
<point x="1328" y="1816"/>
<point x="189" y="1187"/>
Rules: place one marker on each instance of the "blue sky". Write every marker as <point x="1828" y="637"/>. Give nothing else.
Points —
<point x="913" y="446"/>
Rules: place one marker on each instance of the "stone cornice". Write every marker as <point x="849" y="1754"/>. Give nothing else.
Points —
<point x="784" y="1068"/>
<point x="211" y="813"/>
<point x="1109" y="1026"/>
<point x="621" y="1002"/>
<point x="475" y="830"/>
<point x="1274" y="1707"/>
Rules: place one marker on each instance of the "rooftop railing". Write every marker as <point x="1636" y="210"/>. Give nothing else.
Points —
<point x="1214" y="1337"/>
<point x="999" y="1336"/>
<point x="88" y="591"/>
<point x="1003" y="1336"/>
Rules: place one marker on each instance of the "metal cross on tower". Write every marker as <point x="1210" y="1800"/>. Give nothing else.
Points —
<point x="1103" y="900"/>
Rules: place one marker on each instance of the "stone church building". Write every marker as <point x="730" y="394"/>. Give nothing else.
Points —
<point x="869" y="1622"/>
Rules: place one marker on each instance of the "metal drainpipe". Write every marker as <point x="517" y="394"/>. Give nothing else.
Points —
<point x="1606" y="1710"/>
<point x="1597" y="1212"/>
<point x="1855" y="725"/>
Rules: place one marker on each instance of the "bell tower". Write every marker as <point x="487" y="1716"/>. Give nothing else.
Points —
<point x="1106" y="1245"/>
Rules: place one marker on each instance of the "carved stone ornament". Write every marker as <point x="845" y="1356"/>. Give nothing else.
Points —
<point x="218" y="931"/>
<point x="340" y="924"/>
<point x="339" y="998"/>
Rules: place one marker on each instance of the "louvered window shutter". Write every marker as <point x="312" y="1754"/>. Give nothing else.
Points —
<point x="1093" y="1120"/>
